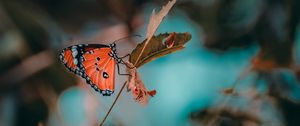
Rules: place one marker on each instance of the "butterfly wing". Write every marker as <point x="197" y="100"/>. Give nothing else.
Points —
<point x="72" y="58"/>
<point x="93" y="63"/>
<point x="99" y="68"/>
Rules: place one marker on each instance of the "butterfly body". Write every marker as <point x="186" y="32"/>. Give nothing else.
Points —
<point x="95" y="63"/>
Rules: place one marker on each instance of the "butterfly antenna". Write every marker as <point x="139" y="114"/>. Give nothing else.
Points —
<point x="127" y="37"/>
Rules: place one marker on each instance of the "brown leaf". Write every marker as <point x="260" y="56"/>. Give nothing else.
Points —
<point x="158" y="46"/>
<point x="229" y="91"/>
<point x="267" y="60"/>
<point x="156" y="18"/>
<point x="154" y="22"/>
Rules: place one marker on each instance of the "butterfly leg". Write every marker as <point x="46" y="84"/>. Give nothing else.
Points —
<point x="125" y="56"/>
<point x="125" y="63"/>
<point x="119" y="71"/>
<point x="128" y="66"/>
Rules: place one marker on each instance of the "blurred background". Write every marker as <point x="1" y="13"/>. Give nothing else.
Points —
<point x="239" y="69"/>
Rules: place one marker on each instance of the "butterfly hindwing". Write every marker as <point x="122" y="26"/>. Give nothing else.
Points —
<point x="93" y="63"/>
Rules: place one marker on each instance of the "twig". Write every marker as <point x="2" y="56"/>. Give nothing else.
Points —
<point x="119" y="93"/>
<point x="227" y="98"/>
<point x="241" y="76"/>
<point x="113" y="104"/>
<point x="154" y="22"/>
<point x="146" y="43"/>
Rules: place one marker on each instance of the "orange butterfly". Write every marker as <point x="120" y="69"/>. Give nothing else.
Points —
<point x="95" y="63"/>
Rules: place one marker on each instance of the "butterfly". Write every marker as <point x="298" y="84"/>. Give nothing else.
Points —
<point x="95" y="63"/>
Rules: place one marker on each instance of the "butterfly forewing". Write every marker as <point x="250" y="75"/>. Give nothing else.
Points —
<point x="100" y="68"/>
<point x="93" y="63"/>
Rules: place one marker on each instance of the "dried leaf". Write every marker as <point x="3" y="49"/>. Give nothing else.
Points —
<point x="229" y="91"/>
<point x="154" y="22"/>
<point x="267" y="61"/>
<point x="158" y="46"/>
<point x="261" y="64"/>
<point x="156" y="19"/>
<point x="139" y="92"/>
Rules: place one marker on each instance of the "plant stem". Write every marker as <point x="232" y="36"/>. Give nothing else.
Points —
<point x="119" y="93"/>
<point x="113" y="104"/>
<point x="146" y="43"/>
<point x="242" y="75"/>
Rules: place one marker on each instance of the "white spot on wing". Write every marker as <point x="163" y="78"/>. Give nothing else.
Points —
<point x="75" y="61"/>
<point x="74" y="53"/>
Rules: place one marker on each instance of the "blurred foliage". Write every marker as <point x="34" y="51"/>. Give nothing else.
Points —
<point x="231" y="23"/>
